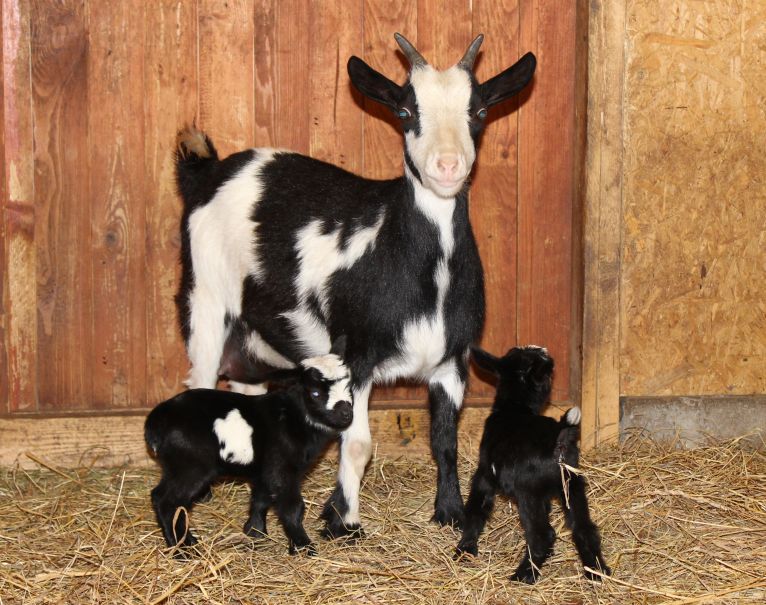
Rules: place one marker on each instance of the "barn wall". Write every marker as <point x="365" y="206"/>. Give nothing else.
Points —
<point x="694" y="214"/>
<point x="674" y="238"/>
<point x="93" y="93"/>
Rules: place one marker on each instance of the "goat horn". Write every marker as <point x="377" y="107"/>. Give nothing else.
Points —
<point x="470" y="55"/>
<point x="413" y="56"/>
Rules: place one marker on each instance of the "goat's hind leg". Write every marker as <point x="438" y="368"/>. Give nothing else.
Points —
<point x="584" y="532"/>
<point x="260" y="500"/>
<point x="539" y="535"/>
<point x="290" y="508"/>
<point x="172" y="501"/>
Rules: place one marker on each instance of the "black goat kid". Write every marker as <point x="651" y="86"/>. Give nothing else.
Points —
<point x="520" y="456"/>
<point x="271" y="440"/>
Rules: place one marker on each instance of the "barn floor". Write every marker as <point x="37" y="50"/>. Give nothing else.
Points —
<point x="678" y="527"/>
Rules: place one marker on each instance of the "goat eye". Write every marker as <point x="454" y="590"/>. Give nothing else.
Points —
<point x="482" y="113"/>
<point x="404" y="113"/>
<point x="315" y="393"/>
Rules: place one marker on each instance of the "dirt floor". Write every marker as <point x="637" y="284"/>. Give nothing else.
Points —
<point x="678" y="527"/>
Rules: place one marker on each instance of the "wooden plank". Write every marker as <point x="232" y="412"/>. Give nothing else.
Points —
<point x="226" y="78"/>
<point x="170" y="101"/>
<point x="75" y="441"/>
<point x="19" y="290"/>
<point x="546" y="186"/>
<point x="495" y="182"/>
<point x="64" y="305"/>
<point x="444" y="31"/>
<point x="383" y="154"/>
<point x="4" y="315"/>
<point x="116" y="89"/>
<point x="602" y="242"/>
<point x="265" y="74"/>
<point x="335" y="118"/>
<point x="293" y="40"/>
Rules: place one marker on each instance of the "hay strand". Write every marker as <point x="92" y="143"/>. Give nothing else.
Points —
<point x="678" y="527"/>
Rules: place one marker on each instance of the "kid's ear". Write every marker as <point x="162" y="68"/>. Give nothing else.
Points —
<point x="373" y="84"/>
<point x="486" y="361"/>
<point x="541" y="369"/>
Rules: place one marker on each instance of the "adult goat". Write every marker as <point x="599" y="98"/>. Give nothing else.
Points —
<point x="282" y="253"/>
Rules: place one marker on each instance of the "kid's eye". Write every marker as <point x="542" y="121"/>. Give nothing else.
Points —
<point x="315" y="393"/>
<point x="482" y="113"/>
<point x="404" y="113"/>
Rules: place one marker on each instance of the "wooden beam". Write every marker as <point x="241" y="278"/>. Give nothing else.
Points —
<point x="76" y="441"/>
<point x="603" y="224"/>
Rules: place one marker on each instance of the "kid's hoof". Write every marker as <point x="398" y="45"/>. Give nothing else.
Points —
<point x="604" y="569"/>
<point x="462" y="552"/>
<point x="527" y="577"/>
<point x="307" y="549"/>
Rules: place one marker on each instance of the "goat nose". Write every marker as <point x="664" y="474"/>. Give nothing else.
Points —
<point x="447" y="164"/>
<point x="344" y="411"/>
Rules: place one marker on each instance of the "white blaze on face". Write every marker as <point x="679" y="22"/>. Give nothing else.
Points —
<point x="332" y="369"/>
<point x="236" y="438"/>
<point x="444" y="152"/>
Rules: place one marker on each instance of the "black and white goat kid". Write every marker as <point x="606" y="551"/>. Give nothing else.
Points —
<point x="270" y="440"/>
<point x="299" y="251"/>
<point x="520" y="456"/>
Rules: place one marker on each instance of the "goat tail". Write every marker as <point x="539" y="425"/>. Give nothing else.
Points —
<point x="154" y="430"/>
<point x="572" y="417"/>
<point x="195" y="156"/>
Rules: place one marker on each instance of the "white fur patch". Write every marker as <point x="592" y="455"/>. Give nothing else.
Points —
<point x="573" y="416"/>
<point x="236" y="438"/>
<point x="319" y="256"/>
<point x="330" y="366"/>
<point x="223" y="239"/>
<point x="443" y="101"/>
<point x="263" y="351"/>
<point x="446" y="375"/>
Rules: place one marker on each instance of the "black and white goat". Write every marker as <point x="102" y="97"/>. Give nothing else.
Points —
<point x="521" y="454"/>
<point x="270" y="440"/>
<point x="299" y="251"/>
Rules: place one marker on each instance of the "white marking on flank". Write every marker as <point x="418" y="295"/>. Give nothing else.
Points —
<point x="236" y="438"/>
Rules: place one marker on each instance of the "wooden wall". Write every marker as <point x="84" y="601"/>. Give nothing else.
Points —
<point x="93" y="93"/>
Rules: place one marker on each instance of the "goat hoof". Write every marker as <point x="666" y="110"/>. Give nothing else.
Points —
<point x="453" y="519"/>
<point x="461" y="551"/>
<point x="526" y="577"/>
<point x="604" y="569"/>
<point x="304" y="549"/>
<point x="335" y="531"/>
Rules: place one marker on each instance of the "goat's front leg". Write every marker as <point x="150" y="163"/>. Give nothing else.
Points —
<point x="341" y="511"/>
<point x="479" y="506"/>
<point x="584" y="531"/>
<point x="445" y="397"/>
<point x="260" y="500"/>
<point x="540" y="536"/>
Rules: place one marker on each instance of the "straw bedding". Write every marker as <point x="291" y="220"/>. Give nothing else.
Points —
<point x="678" y="527"/>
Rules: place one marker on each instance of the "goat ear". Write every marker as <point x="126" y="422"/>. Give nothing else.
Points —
<point x="509" y="82"/>
<point x="486" y="361"/>
<point x="373" y="84"/>
<point x="338" y="346"/>
<point x="541" y="370"/>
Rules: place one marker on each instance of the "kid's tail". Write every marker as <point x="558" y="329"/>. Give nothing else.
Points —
<point x="569" y="433"/>
<point x="195" y="157"/>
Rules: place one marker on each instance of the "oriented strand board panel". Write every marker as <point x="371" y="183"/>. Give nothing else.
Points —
<point x="694" y="216"/>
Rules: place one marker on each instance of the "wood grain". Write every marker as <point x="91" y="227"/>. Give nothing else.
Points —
<point x="77" y="441"/>
<point x="170" y="101"/>
<point x="546" y="184"/>
<point x="19" y="290"/>
<point x="335" y="118"/>
<point x="265" y="74"/>
<point x="62" y="186"/>
<point x="116" y="358"/>
<point x="226" y="75"/>
<point x="604" y="184"/>
<point x="292" y="84"/>
<point x="494" y="200"/>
